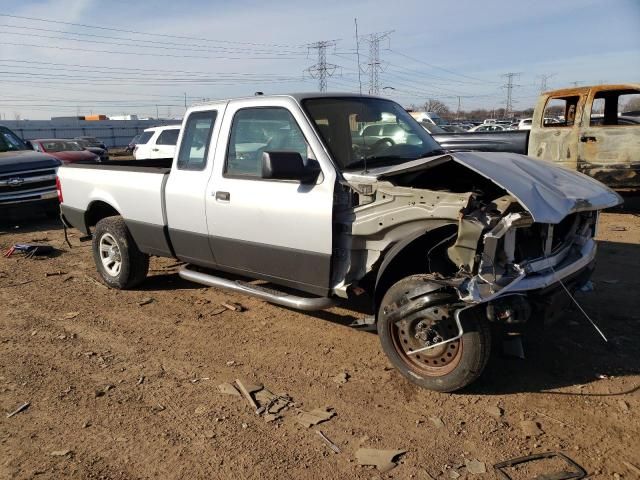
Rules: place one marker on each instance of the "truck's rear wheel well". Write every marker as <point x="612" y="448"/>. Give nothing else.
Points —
<point x="424" y="254"/>
<point x="97" y="211"/>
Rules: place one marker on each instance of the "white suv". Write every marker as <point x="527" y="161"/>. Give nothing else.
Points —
<point x="157" y="142"/>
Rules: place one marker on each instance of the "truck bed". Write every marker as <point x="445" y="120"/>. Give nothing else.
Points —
<point x="515" y="141"/>
<point x="134" y="188"/>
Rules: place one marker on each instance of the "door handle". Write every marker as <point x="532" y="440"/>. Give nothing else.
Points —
<point x="223" y="196"/>
<point x="154" y="149"/>
<point x="585" y="139"/>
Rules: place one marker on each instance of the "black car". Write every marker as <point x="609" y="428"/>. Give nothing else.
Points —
<point x="93" y="142"/>
<point x="27" y="178"/>
<point x="102" y="152"/>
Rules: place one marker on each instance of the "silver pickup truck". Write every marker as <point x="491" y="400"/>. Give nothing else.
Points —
<point x="283" y="191"/>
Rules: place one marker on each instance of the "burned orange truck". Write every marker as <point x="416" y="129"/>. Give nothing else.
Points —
<point x="594" y="130"/>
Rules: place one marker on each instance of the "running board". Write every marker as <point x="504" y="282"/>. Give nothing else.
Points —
<point x="268" y="294"/>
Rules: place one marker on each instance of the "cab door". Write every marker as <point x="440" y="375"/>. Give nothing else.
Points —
<point x="186" y="188"/>
<point x="277" y="230"/>
<point x="609" y="143"/>
<point x="554" y="134"/>
<point x="165" y="146"/>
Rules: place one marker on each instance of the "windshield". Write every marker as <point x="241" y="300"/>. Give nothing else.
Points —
<point x="60" y="146"/>
<point x="9" y="141"/>
<point x="361" y="132"/>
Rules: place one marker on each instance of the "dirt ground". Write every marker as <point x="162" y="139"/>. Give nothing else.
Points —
<point x="123" y="384"/>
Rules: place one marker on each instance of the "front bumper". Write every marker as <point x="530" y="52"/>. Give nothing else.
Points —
<point x="28" y="197"/>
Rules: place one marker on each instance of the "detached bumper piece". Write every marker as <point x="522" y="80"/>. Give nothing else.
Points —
<point x="573" y="472"/>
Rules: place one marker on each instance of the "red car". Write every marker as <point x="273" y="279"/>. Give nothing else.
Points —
<point x="67" y="151"/>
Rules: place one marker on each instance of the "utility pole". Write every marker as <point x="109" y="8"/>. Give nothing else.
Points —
<point x="374" y="67"/>
<point x="543" y="81"/>
<point x="322" y="70"/>
<point x="509" y="86"/>
<point x="458" y="110"/>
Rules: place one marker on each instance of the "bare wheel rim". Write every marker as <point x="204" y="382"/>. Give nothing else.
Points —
<point x="110" y="255"/>
<point x="433" y="325"/>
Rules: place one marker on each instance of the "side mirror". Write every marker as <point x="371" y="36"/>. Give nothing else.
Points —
<point x="288" y="166"/>
<point x="28" y="144"/>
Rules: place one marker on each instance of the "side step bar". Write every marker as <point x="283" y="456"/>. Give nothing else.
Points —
<point x="270" y="295"/>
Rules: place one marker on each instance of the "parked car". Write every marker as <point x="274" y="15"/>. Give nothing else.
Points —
<point x="430" y="117"/>
<point x="488" y="127"/>
<point x="157" y="142"/>
<point x="93" y="142"/>
<point x="102" y="153"/>
<point x="67" y="151"/>
<point x="453" y="128"/>
<point x="27" y="178"/>
<point x="438" y="245"/>
<point x="525" y="124"/>
<point x="578" y="128"/>
<point x="132" y="144"/>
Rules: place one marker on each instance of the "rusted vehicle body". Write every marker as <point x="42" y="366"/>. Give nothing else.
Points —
<point x="599" y="133"/>
<point x="594" y="130"/>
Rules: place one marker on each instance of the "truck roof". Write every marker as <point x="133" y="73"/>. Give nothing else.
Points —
<point x="296" y="96"/>
<point x="586" y="88"/>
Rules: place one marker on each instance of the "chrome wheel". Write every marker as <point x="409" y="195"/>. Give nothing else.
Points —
<point x="110" y="255"/>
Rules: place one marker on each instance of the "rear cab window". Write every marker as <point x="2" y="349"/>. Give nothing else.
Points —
<point x="561" y="111"/>
<point x="196" y="139"/>
<point x="614" y="108"/>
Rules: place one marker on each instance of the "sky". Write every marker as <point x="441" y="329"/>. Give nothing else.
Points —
<point x="70" y="57"/>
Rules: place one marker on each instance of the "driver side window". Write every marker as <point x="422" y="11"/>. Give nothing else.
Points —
<point x="258" y="130"/>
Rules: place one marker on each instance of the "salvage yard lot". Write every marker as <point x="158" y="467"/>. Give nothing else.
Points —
<point x="123" y="384"/>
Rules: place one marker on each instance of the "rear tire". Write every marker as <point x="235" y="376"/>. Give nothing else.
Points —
<point x="117" y="257"/>
<point x="446" y="368"/>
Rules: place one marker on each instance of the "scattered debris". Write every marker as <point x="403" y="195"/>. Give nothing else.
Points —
<point x="93" y="280"/>
<point x="315" y="416"/>
<point x="366" y="323"/>
<point x="61" y="453"/>
<point x="576" y="472"/>
<point x="70" y="315"/>
<point x="271" y="417"/>
<point x="140" y="380"/>
<point x="437" y="422"/>
<point x="556" y="420"/>
<point x="103" y="391"/>
<point x="341" y="378"/>
<point x="454" y="474"/>
<point x="200" y="409"/>
<point x="332" y="445"/>
<point x="30" y="249"/>
<point x="245" y="425"/>
<point x="86" y="424"/>
<point x="54" y="274"/>
<point x="236" y="307"/>
<point x="381" y="459"/>
<point x="587" y="287"/>
<point x="530" y="428"/>
<point x="145" y="301"/>
<point x="475" y="467"/>
<point x="624" y="406"/>
<point x="632" y="468"/>
<point x="232" y="363"/>
<point x="21" y="408"/>
<point x="495" y="411"/>
<point x="618" y="228"/>
<point x="228" y="389"/>
<point x="245" y="393"/>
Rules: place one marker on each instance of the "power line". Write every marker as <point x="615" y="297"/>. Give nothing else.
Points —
<point x="321" y="70"/>
<point x="374" y="67"/>
<point x="509" y="86"/>
<point x="164" y="35"/>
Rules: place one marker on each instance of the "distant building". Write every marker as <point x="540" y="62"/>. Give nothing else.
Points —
<point x="123" y="117"/>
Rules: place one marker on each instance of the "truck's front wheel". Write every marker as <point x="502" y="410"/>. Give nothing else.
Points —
<point x="117" y="257"/>
<point x="429" y="319"/>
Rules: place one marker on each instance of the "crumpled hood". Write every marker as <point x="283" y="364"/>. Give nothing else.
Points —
<point x="545" y="190"/>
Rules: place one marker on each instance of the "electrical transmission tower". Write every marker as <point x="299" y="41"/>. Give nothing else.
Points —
<point x="509" y="86"/>
<point x="374" y="66"/>
<point x="322" y="70"/>
<point x="543" y="81"/>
